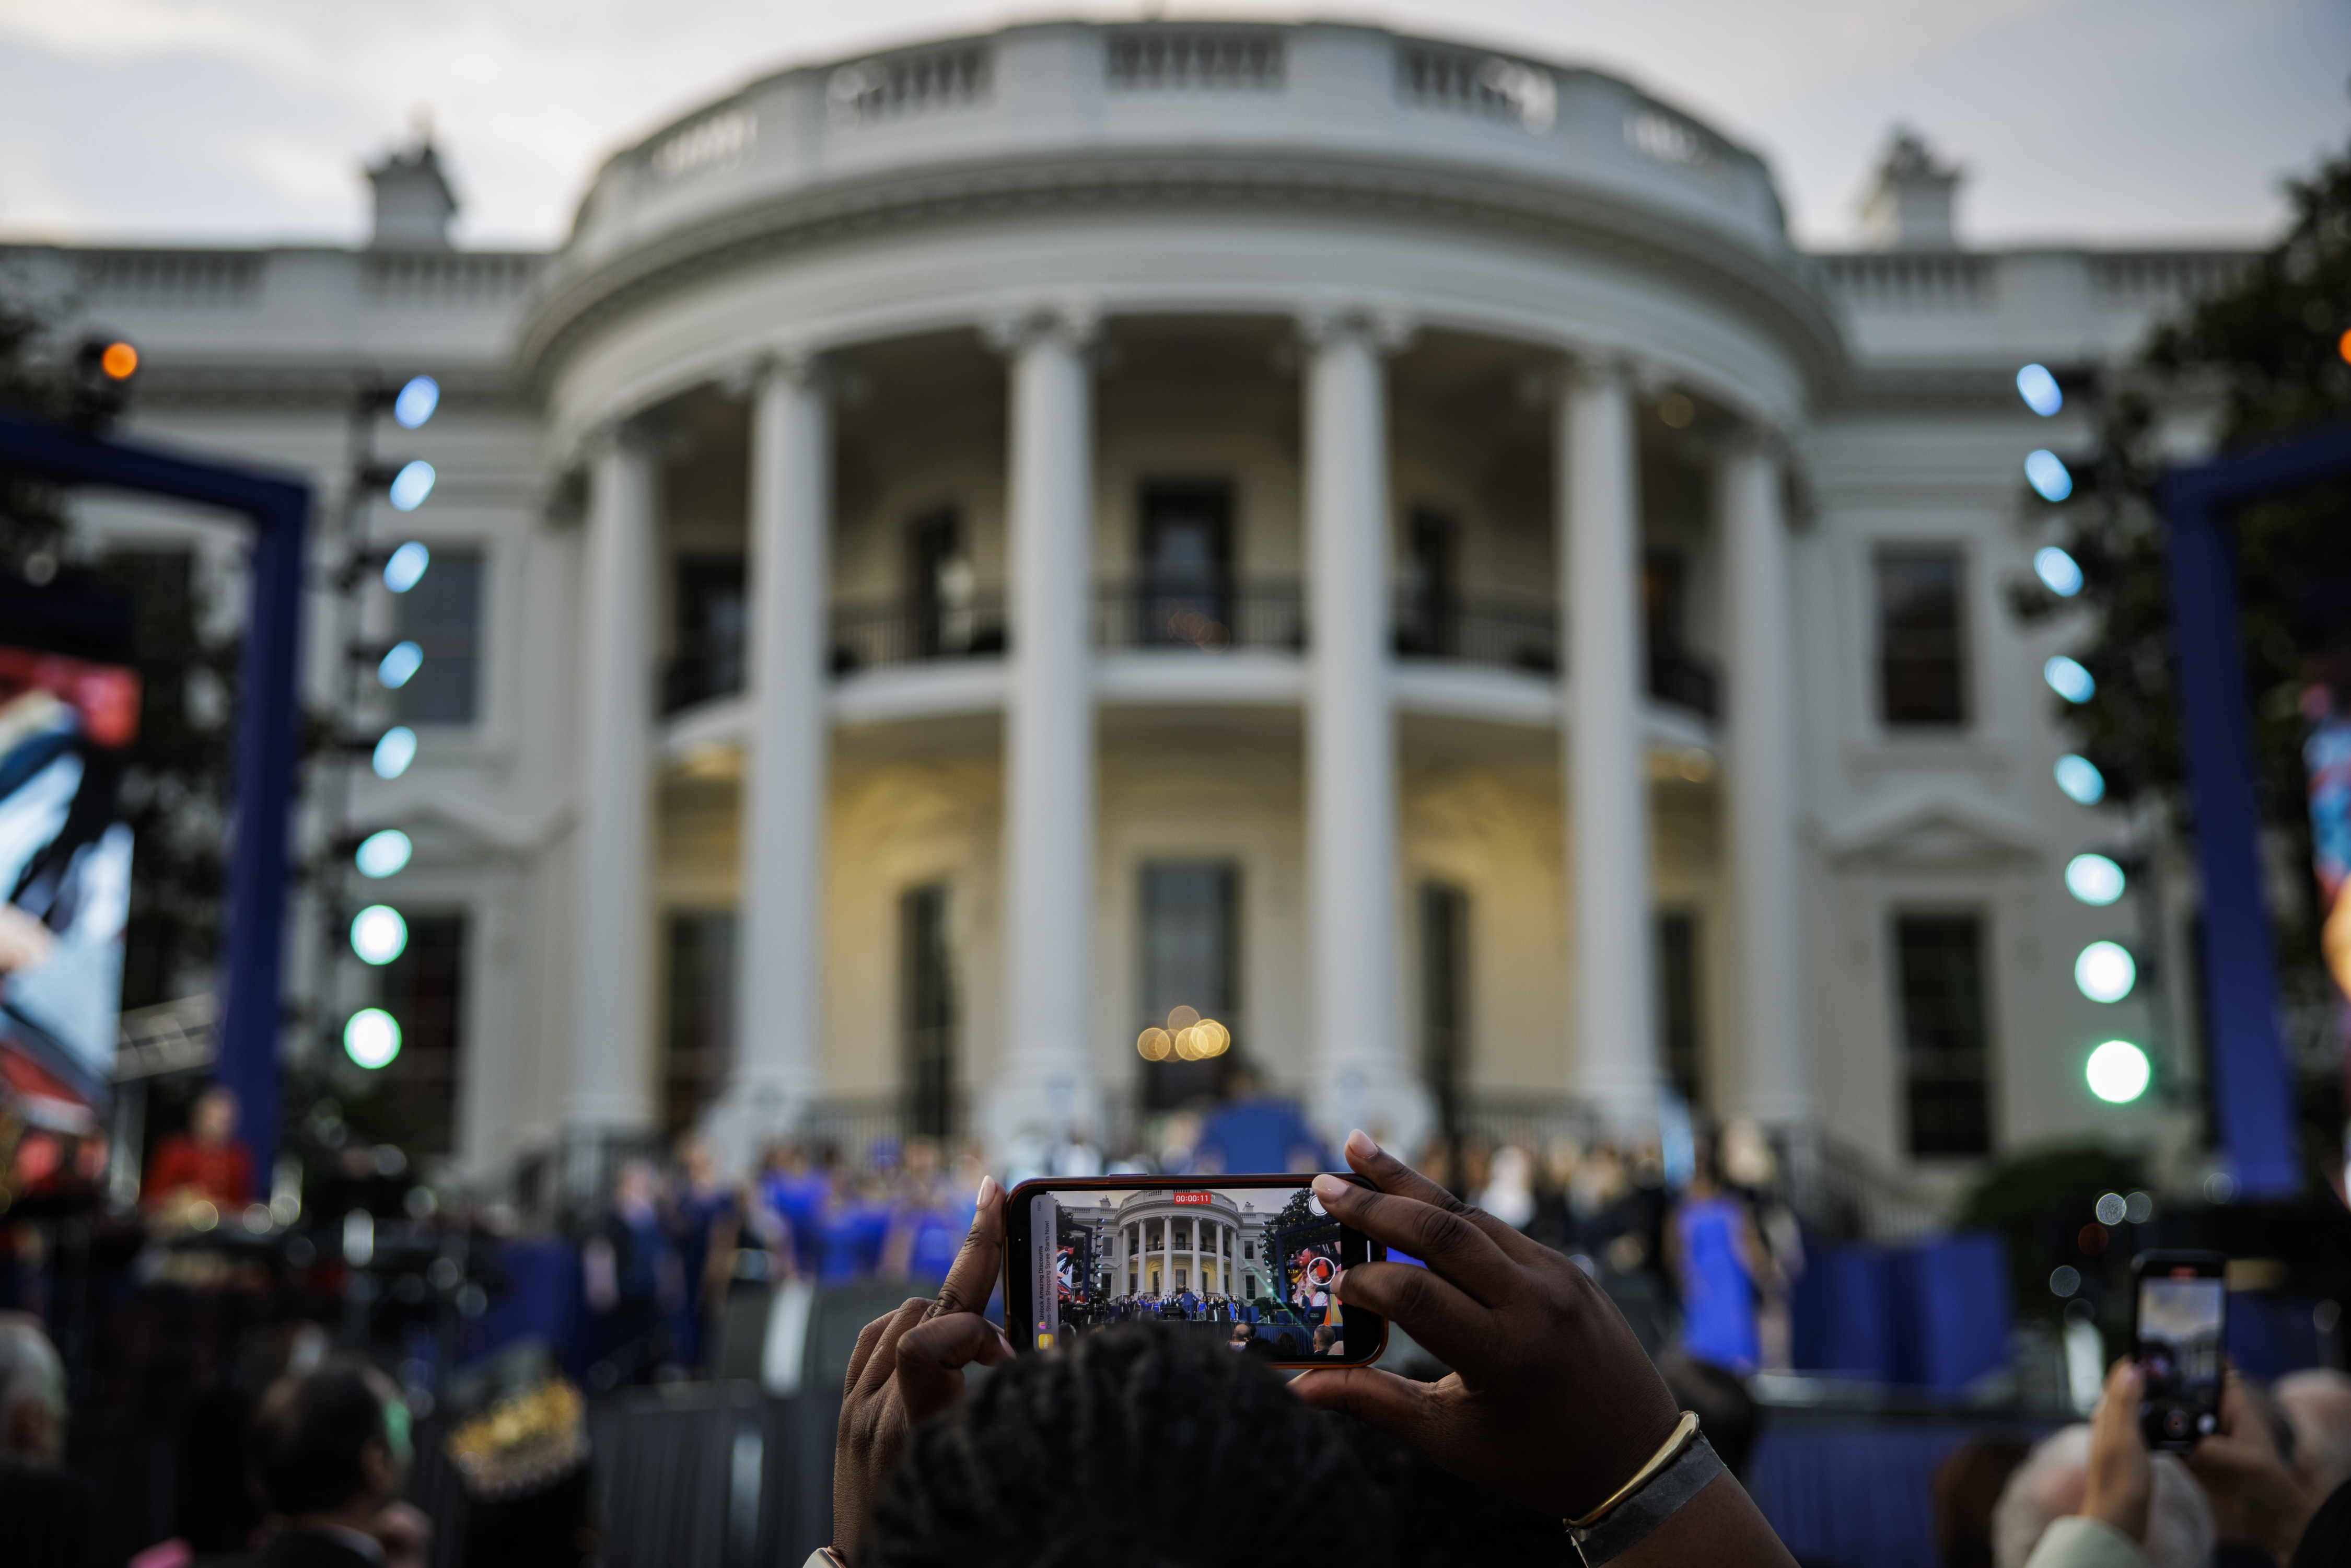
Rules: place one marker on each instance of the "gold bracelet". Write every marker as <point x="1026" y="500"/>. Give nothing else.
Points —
<point x="1684" y="1432"/>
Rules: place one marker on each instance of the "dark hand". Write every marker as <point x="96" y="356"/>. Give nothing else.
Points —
<point x="1551" y="1399"/>
<point x="2249" y="1484"/>
<point x="908" y="1365"/>
<point x="2121" y="1481"/>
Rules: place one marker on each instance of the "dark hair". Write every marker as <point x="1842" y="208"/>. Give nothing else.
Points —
<point x="1055" y="1459"/>
<point x="308" y="1434"/>
<point x="1966" y="1489"/>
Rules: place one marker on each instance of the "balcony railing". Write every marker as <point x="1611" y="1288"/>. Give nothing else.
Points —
<point x="1513" y="634"/>
<point x="1208" y="616"/>
<point x="1211" y="614"/>
<point x="882" y="632"/>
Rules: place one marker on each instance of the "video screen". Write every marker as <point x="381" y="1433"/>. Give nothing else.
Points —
<point x="2181" y="1324"/>
<point x="66" y="728"/>
<point x="1251" y="1267"/>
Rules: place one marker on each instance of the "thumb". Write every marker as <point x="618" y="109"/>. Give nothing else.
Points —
<point x="1381" y="1400"/>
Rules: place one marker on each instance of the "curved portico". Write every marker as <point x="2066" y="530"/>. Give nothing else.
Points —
<point x="1552" y="373"/>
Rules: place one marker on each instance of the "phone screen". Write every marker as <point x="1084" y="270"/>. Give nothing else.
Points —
<point x="1254" y="1266"/>
<point x="2182" y="1319"/>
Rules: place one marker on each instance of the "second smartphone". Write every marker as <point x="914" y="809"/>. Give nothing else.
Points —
<point x="1248" y="1260"/>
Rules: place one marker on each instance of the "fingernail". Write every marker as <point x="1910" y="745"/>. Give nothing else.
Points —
<point x="1327" y="1187"/>
<point x="1360" y="1144"/>
<point x="988" y="1191"/>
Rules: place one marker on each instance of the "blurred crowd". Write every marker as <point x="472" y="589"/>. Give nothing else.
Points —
<point x="1698" y="1246"/>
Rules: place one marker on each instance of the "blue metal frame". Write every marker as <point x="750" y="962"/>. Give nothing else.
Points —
<point x="2252" y="1084"/>
<point x="268" y="704"/>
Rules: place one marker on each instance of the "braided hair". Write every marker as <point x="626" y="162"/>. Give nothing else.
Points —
<point x="1142" y="1446"/>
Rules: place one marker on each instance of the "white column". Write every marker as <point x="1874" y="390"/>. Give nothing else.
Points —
<point x="1772" y="1083"/>
<point x="1047" y="1081"/>
<point x="779" y="957"/>
<point x="1605" y="768"/>
<point x="1358" y="1076"/>
<point x="612" y="958"/>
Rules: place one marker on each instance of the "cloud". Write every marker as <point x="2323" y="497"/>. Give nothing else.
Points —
<point x="527" y="97"/>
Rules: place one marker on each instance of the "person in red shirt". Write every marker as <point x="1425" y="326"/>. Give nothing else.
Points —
<point x="206" y="1161"/>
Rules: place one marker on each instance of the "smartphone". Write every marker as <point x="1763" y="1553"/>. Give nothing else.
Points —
<point x="1251" y="1261"/>
<point x="2179" y="1322"/>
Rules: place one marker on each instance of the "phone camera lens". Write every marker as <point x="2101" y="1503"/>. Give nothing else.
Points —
<point x="2175" y="1423"/>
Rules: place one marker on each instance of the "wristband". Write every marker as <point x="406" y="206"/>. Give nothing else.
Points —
<point x="1677" y="1472"/>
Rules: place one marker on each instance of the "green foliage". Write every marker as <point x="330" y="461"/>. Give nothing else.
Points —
<point x="32" y="511"/>
<point x="2039" y="1198"/>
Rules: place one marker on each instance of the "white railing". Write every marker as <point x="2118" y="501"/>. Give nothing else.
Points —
<point x="1491" y="87"/>
<point x="898" y="87"/>
<point x="1193" y="59"/>
<point x="715" y="141"/>
<point x="180" y="279"/>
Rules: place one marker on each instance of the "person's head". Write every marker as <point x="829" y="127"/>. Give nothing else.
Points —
<point x="1055" y="1457"/>
<point x="1726" y="1411"/>
<point x="32" y="1393"/>
<point x="212" y="1119"/>
<point x="1966" y="1487"/>
<point x="635" y="1183"/>
<point x="1325" y="1336"/>
<point x="1241" y="1334"/>
<point x="333" y="1442"/>
<point x="698" y="1156"/>
<point x="2051" y="1482"/>
<point x="2317" y="1406"/>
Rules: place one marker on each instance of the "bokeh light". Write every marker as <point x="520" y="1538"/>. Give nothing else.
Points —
<point x="416" y="402"/>
<point x="2039" y="391"/>
<point x="2105" y="972"/>
<point x="407" y="567"/>
<point x="383" y="853"/>
<point x="398" y="665"/>
<point x="2117" y="1072"/>
<point x="411" y="486"/>
<point x="2112" y="1208"/>
<point x="2059" y="572"/>
<point x="2080" y="779"/>
<point x="394" y="751"/>
<point x="2047" y="474"/>
<point x="2065" y="1279"/>
<point x="2069" y="679"/>
<point x="2094" y="879"/>
<point x="1154" y="1045"/>
<point x="372" y="1038"/>
<point x="378" y="935"/>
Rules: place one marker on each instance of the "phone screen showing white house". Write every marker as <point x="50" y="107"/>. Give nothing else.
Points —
<point x="1256" y="1268"/>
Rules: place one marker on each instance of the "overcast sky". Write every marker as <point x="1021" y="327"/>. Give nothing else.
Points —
<point x="244" y="120"/>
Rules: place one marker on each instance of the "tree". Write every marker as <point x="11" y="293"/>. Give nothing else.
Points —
<point x="2264" y="356"/>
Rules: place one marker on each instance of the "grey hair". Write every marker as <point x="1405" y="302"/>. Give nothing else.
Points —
<point x="2047" y="1485"/>
<point x="2317" y="1406"/>
<point x="30" y="1369"/>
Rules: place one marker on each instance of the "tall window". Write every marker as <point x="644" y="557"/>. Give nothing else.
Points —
<point x="1444" y="997"/>
<point x="940" y="585"/>
<point x="1678" y="1038"/>
<point x="927" y="1008"/>
<point x="424" y="989"/>
<point x="1189" y="928"/>
<point x="1430" y="605"/>
<point x="1186" y="554"/>
<point x="442" y="615"/>
<point x="1939" y="975"/>
<point x="699" y="1047"/>
<point x="713" y="616"/>
<point x="1922" y="676"/>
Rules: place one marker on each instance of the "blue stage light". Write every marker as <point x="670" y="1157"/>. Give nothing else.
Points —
<point x="2039" y="391"/>
<point x="2058" y="572"/>
<point x="411" y="486"/>
<point x="2069" y="680"/>
<point x="2080" y="779"/>
<point x="406" y="568"/>
<point x="416" y="402"/>
<point x="2046" y="472"/>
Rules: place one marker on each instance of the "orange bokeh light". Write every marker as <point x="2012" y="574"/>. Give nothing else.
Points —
<point x="2343" y="345"/>
<point x="121" y="360"/>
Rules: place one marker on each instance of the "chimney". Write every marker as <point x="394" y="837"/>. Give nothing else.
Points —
<point x="1910" y="206"/>
<point x="414" y="203"/>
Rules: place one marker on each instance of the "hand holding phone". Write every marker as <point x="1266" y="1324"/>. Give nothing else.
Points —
<point x="2180" y="1320"/>
<point x="908" y="1365"/>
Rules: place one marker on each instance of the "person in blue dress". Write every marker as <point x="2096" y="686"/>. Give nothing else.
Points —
<point x="1714" y="1257"/>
